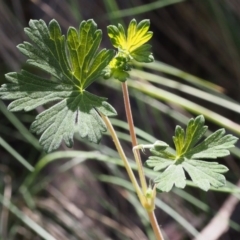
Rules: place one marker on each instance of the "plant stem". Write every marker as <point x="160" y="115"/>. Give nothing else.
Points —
<point x="128" y="110"/>
<point x="140" y="169"/>
<point x="137" y="157"/>
<point x="155" y="226"/>
<point x="141" y="197"/>
<point x="123" y="157"/>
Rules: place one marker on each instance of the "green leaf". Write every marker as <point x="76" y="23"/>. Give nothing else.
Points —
<point x="174" y="174"/>
<point x="188" y="157"/>
<point x="74" y="63"/>
<point x="205" y="173"/>
<point x="143" y="54"/>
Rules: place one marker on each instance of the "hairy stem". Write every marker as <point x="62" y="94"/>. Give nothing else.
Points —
<point x="128" y="111"/>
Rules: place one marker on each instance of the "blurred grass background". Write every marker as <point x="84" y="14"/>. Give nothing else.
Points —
<point x="83" y="193"/>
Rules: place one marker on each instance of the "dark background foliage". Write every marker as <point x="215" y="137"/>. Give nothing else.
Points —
<point x="93" y="200"/>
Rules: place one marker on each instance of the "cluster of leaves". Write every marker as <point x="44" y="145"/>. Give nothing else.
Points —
<point x="130" y="47"/>
<point x="189" y="155"/>
<point x="74" y="63"/>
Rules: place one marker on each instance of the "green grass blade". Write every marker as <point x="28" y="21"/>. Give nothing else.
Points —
<point x="218" y="100"/>
<point x="182" y="221"/>
<point x="142" y="8"/>
<point x="191" y="199"/>
<point x="167" y="69"/>
<point x="187" y="104"/>
<point x="53" y="157"/>
<point x="16" y="155"/>
<point x="131" y="197"/>
<point x="159" y="204"/>
<point x="19" y="126"/>
<point x="233" y="190"/>
<point x="139" y="132"/>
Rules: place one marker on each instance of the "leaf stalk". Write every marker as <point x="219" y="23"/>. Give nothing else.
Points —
<point x="137" y="155"/>
<point x="123" y="157"/>
<point x="146" y="201"/>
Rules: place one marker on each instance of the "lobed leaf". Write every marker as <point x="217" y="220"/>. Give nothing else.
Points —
<point x="204" y="174"/>
<point x="173" y="175"/>
<point x="74" y="63"/>
<point x="216" y="145"/>
<point x="188" y="157"/>
<point x="48" y="52"/>
<point x="143" y="53"/>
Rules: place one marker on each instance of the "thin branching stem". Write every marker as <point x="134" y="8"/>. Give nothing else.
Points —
<point x="123" y="157"/>
<point x="131" y="175"/>
<point x="140" y="169"/>
<point x="128" y="110"/>
<point x="137" y="157"/>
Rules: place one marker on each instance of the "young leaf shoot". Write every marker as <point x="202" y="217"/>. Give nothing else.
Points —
<point x="131" y="46"/>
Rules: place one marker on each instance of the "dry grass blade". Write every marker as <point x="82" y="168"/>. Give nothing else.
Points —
<point x="220" y="223"/>
<point x="71" y="227"/>
<point x="7" y="195"/>
<point x="127" y="232"/>
<point x="50" y="11"/>
<point x="66" y="204"/>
